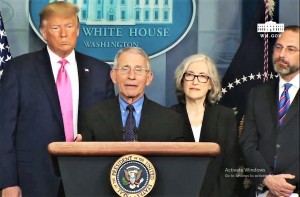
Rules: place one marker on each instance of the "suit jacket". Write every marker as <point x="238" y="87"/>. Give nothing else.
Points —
<point x="219" y="126"/>
<point x="31" y="117"/>
<point x="103" y="122"/>
<point x="263" y="138"/>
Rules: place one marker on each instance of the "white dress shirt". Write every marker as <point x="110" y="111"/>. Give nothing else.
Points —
<point x="293" y="89"/>
<point x="72" y="71"/>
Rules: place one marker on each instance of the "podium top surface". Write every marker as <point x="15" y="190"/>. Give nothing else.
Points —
<point x="142" y="148"/>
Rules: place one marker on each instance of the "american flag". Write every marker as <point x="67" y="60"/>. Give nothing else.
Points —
<point x="5" y="55"/>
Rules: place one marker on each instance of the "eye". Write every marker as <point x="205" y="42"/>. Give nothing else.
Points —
<point x="204" y="76"/>
<point x="125" y="68"/>
<point x="291" y="49"/>
<point x="138" y="70"/>
<point x="278" y="46"/>
<point x="54" y="28"/>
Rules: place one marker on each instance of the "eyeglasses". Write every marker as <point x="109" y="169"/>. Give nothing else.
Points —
<point x="127" y="69"/>
<point x="290" y="50"/>
<point x="200" y="78"/>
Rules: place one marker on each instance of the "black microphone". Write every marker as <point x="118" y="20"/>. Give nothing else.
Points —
<point x="123" y="133"/>
<point x="135" y="134"/>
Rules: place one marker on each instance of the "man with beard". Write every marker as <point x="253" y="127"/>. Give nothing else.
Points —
<point x="270" y="142"/>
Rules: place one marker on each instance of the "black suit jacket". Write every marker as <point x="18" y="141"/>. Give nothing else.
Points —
<point x="263" y="138"/>
<point x="103" y="122"/>
<point x="219" y="126"/>
<point x="31" y="117"/>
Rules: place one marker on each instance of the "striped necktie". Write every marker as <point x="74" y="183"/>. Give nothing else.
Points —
<point x="284" y="103"/>
<point x="64" y="90"/>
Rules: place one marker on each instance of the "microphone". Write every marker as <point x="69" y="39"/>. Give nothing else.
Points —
<point x="123" y="133"/>
<point x="135" y="134"/>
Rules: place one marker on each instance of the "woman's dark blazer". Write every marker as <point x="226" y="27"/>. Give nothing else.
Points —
<point x="219" y="126"/>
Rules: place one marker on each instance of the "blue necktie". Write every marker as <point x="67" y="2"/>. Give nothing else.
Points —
<point x="284" y="103"/>
<point x="130" y="127"/>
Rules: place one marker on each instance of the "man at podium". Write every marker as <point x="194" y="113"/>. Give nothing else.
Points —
<point x="131" y="116"/>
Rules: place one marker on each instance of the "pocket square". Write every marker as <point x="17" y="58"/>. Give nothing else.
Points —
<point x="87" y="70"/>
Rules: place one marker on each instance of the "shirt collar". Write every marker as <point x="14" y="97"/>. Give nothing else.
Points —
<point x="295" y="81"/>
<point x="55" y="58"/>
<point x="138" y="105"/>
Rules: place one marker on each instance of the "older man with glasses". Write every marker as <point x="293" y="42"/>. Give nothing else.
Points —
<point x="131" y="116"/>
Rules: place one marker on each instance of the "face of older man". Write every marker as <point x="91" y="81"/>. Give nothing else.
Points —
<point x="286" y="55"/>
<point x="131" y="76"/>
<point x="60" y="33"/>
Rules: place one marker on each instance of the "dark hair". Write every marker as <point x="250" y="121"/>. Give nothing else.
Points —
<point x="295" y="28"/>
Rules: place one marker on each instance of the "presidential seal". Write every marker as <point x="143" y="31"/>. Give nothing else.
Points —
<point x="132" y="175"/>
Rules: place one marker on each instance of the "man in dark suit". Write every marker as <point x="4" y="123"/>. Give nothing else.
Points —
<point x="270" y="142"/>
<point x="108" y="121"/>
<point x="31" y="106"/>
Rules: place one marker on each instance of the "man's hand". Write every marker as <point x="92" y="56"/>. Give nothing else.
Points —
<point x="78" y="138"/>
<point x="278" y="186"/>
<point x="14" y="191"/>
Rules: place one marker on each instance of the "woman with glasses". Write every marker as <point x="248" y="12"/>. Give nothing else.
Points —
<point x="198" y="91"/>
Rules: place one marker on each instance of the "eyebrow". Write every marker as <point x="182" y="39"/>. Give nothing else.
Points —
<point x="202" y="73"/>
<point x="286" y="46"/>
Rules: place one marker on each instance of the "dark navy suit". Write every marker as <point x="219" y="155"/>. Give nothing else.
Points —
<point x="263" y="138"/>
<point x="31" y="117"/>
<point x="103" y="122"/>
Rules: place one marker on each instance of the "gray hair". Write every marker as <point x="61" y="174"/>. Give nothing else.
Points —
<point x="214" y="94"/>
<point x="135" y="50"/>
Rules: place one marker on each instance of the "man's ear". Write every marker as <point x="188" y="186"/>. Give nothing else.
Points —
<point x="113" y="76"/>
<point x="149" y="78"/>
<point x="43" y="33"/>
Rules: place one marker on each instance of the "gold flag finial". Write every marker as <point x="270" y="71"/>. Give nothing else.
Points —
<point x="271" y="6"/>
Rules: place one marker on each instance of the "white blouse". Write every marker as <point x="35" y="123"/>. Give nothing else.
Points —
<point x="197" y="132"/>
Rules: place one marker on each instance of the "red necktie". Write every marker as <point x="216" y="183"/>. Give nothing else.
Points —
<point x="64" y="90"/>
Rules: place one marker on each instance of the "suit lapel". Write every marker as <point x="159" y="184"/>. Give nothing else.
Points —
<point x="189" y="136"/>
<point x="116" y="118"/>
<point x="83" y="70"/>
<point x="44" y="69"/>
<point x="207" y="133"/>
<point x="142" y="130"/>
<point x="272" y="101"/>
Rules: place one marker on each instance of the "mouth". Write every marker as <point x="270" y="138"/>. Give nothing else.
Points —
<point x="130" y="86"/>
<point x="196" y="89"/>
<point x="64" y="43"/>
<point x="282" y="64"/>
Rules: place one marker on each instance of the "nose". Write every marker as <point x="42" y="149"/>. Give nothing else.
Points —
<point x="63" y="32"/>
<point x="282" y="52"/>
<point x="196" y="81"/>
<point x="131" y="74"/>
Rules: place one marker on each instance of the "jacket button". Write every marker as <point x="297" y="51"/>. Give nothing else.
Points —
<point x="277" y="145"/>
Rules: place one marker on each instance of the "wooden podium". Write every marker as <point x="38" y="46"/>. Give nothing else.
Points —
<point x="85" y="166"/>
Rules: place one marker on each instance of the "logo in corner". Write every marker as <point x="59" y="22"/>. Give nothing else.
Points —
<point x="133" y="175"/>
<point x="270" y="27"/>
